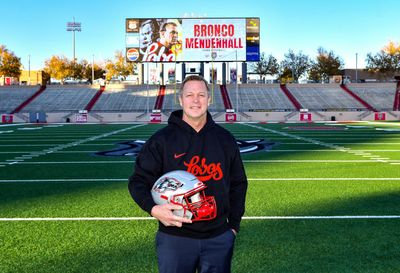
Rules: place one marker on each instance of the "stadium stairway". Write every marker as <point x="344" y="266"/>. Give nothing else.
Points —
<point x="160" y="98"/>
<point x="396" y="103"/>
<point x="95" y="98"/>
<point x="360" y="100"/>
<point x="290" y="96"/>
<point x="225" y="97"/>
<point x="29" y="100"/>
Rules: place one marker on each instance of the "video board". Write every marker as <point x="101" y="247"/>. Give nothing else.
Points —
<point x="192" y="39"/>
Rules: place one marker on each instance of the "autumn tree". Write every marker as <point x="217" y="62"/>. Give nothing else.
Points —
<point x="295" y="65"/>
<point x="326" y="64"/>
<point x="268" y="65"/>
<point x="119" y="67"/>
<point x="10" y="65"/>
<point x="386" y="61"/>
<point x="87" y="70"/>
<point x="58" y="67"/>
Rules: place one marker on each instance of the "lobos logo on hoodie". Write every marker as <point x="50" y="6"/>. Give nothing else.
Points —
<point x="203" y="171"/>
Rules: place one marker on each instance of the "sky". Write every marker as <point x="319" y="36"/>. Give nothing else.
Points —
<point x="36" y="30"/>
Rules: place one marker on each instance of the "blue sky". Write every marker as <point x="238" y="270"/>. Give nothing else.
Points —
<point x="38" y="28"/>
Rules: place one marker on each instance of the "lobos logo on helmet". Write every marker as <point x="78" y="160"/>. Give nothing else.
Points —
<point x="167" y="183"/>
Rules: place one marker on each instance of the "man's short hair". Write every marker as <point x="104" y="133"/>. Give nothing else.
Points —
<point x="193" y="78"/>
<point x="164" y="26"/>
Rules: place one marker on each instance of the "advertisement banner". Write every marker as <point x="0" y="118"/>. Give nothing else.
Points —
<point x="155" y="118"/>
<point x="81" y="118"/>
<point x="192" y="39"/>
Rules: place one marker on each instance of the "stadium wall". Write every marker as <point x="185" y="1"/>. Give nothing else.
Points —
<point x="98" y="117"/>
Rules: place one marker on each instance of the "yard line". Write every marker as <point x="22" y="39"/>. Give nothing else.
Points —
<point x="20" y="162"/>
<point x="75" y="143"/>
<point x="317" y="142"/>
<point x="249" y="179"/>
<point x="327" y="179"/>
<point x="146" y="218"/>
<point x="65" y="180"/>
<point x="269" y="151"/>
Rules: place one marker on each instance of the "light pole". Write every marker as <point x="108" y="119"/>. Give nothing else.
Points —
<point x="237" y="85"/>
<point x="356" y="67"/>
<point x="29" y="69"/>
<point x="73" y="26"/>
<point x="92" y="69"/>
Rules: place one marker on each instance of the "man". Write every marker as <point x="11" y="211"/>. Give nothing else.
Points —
<point x="193" y="142"/>
<point x="149" y="33"/>
<point x="168" y="46"/>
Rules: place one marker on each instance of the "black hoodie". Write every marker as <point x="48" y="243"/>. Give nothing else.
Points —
<point x="179" y="147"/>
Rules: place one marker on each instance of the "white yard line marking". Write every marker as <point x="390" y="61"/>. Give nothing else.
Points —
<point x="21" y="162"/>
<point x="68" y="145"/>
<point x="317" y="142"/>
<point x="306" y="217"/>
<point x="270" y="151"/>
<point x="91" y="180"/>
<point x="327" y="179"/>
<point x="65" y="180"/>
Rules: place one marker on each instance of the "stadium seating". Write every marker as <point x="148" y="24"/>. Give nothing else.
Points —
<point x="60" y="98"/>
<point x="127" y="98"/>
<point x="379" y="96"/>
<point x="259" y="97"/>
<point x="246" y="97"/>
<point x="324" y="97"/>
<point x="13" y="96"/>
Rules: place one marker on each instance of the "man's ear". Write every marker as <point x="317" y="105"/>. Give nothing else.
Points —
<point x="180" y="100"/>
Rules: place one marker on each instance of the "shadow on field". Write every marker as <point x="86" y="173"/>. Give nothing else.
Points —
<point x="85" y="247"/>
<point x="324" y="245"/>
<point x="16" y="192"/>
<point x="262" y="246"/>
<point x="334" y="246"/>
<point x="104" y="199"/>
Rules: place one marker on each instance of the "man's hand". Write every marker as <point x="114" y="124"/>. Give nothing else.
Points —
<point x="164" y="214"/>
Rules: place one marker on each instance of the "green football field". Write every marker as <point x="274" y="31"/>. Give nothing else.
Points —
<point x="321" y="198"/>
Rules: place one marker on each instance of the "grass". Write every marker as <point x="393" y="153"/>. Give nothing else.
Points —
<point x="303" y="175"/>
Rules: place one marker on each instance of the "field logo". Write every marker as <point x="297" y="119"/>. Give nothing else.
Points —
<point x="132" y="148"/>
<point x="128" y="148"/>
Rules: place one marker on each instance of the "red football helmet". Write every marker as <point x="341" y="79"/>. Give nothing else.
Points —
<point x="184" y="189"/>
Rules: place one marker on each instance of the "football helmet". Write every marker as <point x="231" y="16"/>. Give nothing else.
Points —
<point x="184" y="189"/>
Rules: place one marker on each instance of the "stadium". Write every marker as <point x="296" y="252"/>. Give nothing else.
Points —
<point x="322" y="161"/>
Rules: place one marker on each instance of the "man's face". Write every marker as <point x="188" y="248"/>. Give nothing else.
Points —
<point x="194" y="100"/>
<point x="170" y="35"/>
<point x="145" y="35"/>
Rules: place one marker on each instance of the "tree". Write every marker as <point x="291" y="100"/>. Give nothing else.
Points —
<point x="87" y="71"/>
<point x="268" y="65"/>
<point x="58" y="67"/>
<point x="119" y="67"/>
<point x="386" y="61"/>
<point x="297" y="64"/>
<point x="10" y="65"/>
<point x="326" y="64"/>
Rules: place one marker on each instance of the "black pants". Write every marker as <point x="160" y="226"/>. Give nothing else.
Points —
<point x="186" y="255"/>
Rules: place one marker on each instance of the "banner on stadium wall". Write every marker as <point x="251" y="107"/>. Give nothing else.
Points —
<point x="380" y="116"/>
<point x="305" y="117"/>
<point x="192" y="39"/>
<point x="230" y="117"/>
<point x="81" y="118"/>
<point x="155" y="117"/>
<point x="6" y="118"/>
